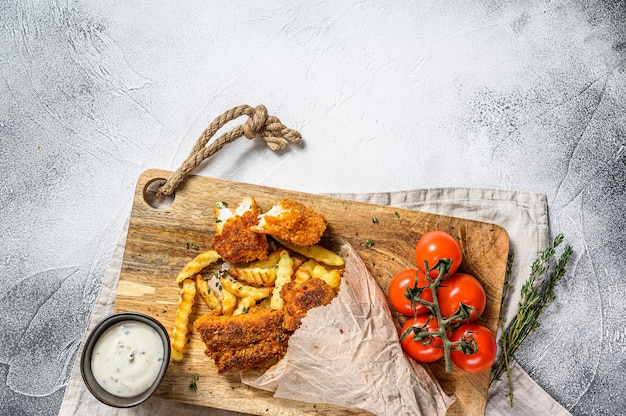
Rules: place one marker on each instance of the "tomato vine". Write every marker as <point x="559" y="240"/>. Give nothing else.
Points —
<point x="463" y="314"/>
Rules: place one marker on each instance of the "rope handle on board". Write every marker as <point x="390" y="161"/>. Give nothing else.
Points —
<point x="275" y="134"/>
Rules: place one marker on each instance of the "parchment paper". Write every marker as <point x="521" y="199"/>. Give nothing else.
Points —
<point x="347" y="353"/>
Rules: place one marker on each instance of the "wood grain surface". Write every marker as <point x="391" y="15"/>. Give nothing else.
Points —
<point x="161" y="241"/>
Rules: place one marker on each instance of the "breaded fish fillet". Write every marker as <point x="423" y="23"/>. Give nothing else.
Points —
<point x="260" y="337"/>
<point x="292" y="221"/>
<point x="234" y="241"/>
<point x="301" y="297"/>
<point x="245" y="341"/>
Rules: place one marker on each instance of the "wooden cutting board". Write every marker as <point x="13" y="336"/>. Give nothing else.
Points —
<point x="161" y="241"/>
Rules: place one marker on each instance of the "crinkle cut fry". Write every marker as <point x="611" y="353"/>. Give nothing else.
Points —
<point x="284" y="272"/>
<point x="241" y="290"/>
<point x="244" y="305"/>
<point x="315" y="252"/>
<point x="269" y="262"/>
<point x="254" y="275"/>
<point x="181" y="323"/>
<point x="202" y="287"/>
<point x="202" y="260"/>
<point x="311" y="268"/>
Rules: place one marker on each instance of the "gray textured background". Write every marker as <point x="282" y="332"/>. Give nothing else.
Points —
<point x="522" y="95"/>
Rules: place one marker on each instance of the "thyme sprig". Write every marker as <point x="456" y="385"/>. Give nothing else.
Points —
<point x="536" y="295"/>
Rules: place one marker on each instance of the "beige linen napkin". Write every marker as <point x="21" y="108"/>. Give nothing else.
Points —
<point x="522" y="214"/>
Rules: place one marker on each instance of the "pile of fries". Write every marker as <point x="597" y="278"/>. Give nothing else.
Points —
<point x="233" y="289"/>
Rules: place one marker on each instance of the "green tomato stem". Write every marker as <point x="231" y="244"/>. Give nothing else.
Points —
<point x="443" y="268"/>
<point x="443" y="272"/>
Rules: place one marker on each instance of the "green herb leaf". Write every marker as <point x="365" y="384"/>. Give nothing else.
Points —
<point x="536" y="294"/>
<point x="194" y="386"/>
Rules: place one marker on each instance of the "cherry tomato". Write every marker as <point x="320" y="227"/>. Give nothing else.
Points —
<point x="436" y="245"/>
<point x="398" y="291"/>
<point x="424" y="353"/>
<point x="461" y="288"/>
<point x="485" y="352"/>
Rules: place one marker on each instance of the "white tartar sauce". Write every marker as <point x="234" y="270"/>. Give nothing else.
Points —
<point x="127" y="358"/>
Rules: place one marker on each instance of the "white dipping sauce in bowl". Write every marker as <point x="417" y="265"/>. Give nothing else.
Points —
<point x="126" y="359"/>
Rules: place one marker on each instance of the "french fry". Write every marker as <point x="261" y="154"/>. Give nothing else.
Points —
<point x="297" y="260"/>
<point x="301" y="275"/>
<point x="244" y="304"/>
<point x="308" y="266"/>
<point x="265" y="302"/>
<point x="313" y="269"/>
<point x="194" y="266"/>
<point x="202" y="287"/>
<point x="243" y="291"/>
<point x="315" y="252"/>
<point x="181" y="323"/>
<point x="268" y="263"/>
<point x="229" y="302"/>
<point x="283" y="276"/>
<point x="333" y="278"/>
<point x="254" y="275"/>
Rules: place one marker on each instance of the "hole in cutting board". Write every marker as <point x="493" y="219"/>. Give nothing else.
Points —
<point x="152" y="197"/>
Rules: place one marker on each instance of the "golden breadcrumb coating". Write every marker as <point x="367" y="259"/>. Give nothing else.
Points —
<point x="233" y="240"/>
<point x="292" y="221"/>
<point x="250" y="340"/>
<point x="301" y="297"/>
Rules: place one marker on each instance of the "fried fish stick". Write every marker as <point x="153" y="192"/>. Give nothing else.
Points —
<point x="181" y="323"/>
<point x="244" y="341"/>
<point x="194" y="266"/>
<point x="293" y="221"/>
<point x="233" y="239"/>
